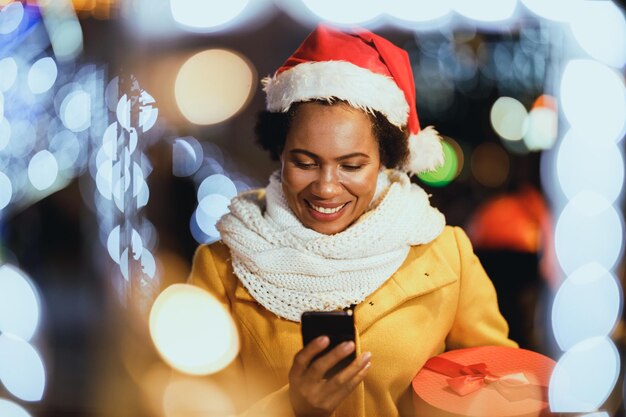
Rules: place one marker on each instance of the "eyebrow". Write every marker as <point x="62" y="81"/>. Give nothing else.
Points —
<point x="341" y="158"/>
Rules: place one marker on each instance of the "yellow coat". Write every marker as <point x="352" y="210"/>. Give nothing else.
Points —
<point x="439" y="299"/>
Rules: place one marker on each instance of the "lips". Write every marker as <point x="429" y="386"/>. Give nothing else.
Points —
<point x="327" y="212"/>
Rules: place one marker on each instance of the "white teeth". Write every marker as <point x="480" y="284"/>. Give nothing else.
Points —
<point x="327" y="210"/>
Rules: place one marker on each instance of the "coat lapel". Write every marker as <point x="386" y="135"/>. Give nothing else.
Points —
<point x="424" y="270"/>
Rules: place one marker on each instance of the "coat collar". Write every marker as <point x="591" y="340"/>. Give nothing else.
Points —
<point x="424" y="270"/>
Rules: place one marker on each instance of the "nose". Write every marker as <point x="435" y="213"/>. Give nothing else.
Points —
<point x="327" y="184"/>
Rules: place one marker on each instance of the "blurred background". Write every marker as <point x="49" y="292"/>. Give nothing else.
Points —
<point x="126" y="126"/>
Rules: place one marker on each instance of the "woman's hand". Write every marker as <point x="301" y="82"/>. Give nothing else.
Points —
<point x="313" y="396"/>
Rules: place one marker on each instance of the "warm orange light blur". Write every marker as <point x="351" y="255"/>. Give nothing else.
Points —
<point x="490" y="164"/>
<point x="214" y="85"/>
<point x="545" y="100"/>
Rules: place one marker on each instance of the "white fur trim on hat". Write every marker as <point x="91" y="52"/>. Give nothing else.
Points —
<point x="426" y="151"/>
<point x="360" y="87"/>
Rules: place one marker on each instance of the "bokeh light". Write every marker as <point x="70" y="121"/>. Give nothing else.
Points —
<point x="542" y="129"/>
<point x="42" y="75"/>
<point x="588" y="218"/>
<point x="200" y="15"/>
<point x="19" y="303"/>
<point x="217" y="184"/>
<point x="584" y="376"/>
<point x="66" y="149"/>
<point x="214" y="205"/>
<point x="490" y="164"/>
<point x="593" y="99"/>
<point x="509" y="118"/>
<point x="6" y="190"/>
<point x="558" y="10"/>
<point x="75" y="110"/>
<point x="448" y="171"/>
<point x="589" y="163"/>
<point x="43" y="170"/>
<point x="486" y="10"/>
<point x="192" y="331"/>
<point x="11" y="16"/>
<point x="192" y="396"/>
<point x="5" y="133"/>
<point x="599" y="28"/>
<point x="11" y="409"/>
<point x="187" y="156"/>
<point x="8" y="73"/>
<point x="213" y="86"/>
<point x="23" y="138"/>
<point x="418" y="10"/>
<point x="21" y="369"/>
<point x="347" y="12"/>
<point x="67" y="39"/>
<point x="587" y="305"/>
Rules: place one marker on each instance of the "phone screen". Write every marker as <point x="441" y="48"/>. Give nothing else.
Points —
<point x="337" y="325"/>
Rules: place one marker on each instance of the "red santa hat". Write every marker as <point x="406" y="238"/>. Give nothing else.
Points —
<point x="365" y="70"/>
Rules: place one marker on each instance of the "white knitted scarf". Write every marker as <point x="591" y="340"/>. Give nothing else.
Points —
<point x="289" y="268"/>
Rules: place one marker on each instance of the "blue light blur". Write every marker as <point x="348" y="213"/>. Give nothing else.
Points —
<point x="584" y="376"/>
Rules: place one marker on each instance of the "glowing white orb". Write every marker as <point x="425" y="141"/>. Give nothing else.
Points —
<point x="200" y="14"/>
<point x="600" y="29"/>
<point x="593" y="99"/>
<point x="217" y="184"/>
<point x="584" y="376"/>
<point x="10" y="409"/>
<point x="346" y="12"/>
<point x="558" y="10"/>
<point x="19" y="303"/>
<point x="66" y="149"/>
<point x="42" y="75"/>
<point x="6" y="190"/>
<point x="586" y="305"/>
<point x="5" y="133"/>
<point x="213" y="85"/>
<point x="11" y="16"/>
<point x="8" y="73"/>
<point x="21" y="370"/>
<point x="43" y="170"/>
<point x="417" y="10"/>
<point x="192" y="331"/>
<point x="542" y="129"/>
<point x="67" y="39"/>
<point x="509" y="118"/>
<point x="589" y="163"/>
<point x="486" y="10"/>
<point x="187" y="156"/>
<point x="589" y="229"/>
<point x="75" y="111"/>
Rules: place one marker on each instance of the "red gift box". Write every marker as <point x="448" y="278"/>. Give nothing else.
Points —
<point x="486" y="381"/>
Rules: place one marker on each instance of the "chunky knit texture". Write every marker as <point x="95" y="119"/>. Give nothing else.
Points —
<point x="289" y="268"/>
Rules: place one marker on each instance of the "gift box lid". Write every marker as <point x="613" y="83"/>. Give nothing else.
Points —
<point x="486" y="381"/>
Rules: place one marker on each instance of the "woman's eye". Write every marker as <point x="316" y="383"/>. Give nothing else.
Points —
<point x="352" y="167"/>
<point x="305" y="165"/>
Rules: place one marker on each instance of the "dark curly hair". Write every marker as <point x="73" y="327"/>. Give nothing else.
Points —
<point x="271" y="131"/>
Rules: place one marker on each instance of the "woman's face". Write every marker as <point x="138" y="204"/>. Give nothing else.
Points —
<point x="330" y="165"/>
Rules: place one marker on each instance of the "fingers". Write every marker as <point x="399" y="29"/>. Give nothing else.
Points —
<point x="342" y="384"/>
<point x="305" y="356"/>
<point x="321" y="365"/>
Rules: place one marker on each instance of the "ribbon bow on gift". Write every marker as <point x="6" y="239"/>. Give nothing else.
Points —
<point x="466" y="379"/>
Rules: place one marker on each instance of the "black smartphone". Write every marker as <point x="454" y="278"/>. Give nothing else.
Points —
<point x="337" y="325"/>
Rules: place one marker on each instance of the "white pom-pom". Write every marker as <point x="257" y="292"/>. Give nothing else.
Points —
<point x="426" y="151"/>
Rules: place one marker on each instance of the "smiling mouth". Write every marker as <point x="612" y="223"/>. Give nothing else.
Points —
<point x="325" y="210"/>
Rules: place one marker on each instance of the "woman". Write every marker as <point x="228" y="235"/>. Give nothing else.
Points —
<point x="341" y="225"/>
